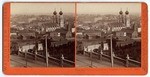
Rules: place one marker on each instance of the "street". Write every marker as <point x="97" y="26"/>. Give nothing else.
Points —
<point x="85" y="61"/>
<point x="18" y="61"/>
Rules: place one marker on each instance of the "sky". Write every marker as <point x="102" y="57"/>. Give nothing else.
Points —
<point x="41" y="8"/>
<point x="108" y="8"/>
<point x="82" y="8"/>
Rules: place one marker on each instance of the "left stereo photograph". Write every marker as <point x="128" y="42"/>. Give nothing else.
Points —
<point x="42" y="35"/>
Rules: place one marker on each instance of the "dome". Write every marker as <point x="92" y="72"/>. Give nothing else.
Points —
<point x="126" y="12"/>
<point x="54" y="12"/>
<point x="121" y="12"/>
<point x="60" y="12"/>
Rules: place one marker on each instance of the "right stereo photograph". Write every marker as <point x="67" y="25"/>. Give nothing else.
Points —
<point x="108" y="35"/>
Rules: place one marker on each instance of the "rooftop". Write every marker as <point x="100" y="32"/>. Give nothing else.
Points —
<point x="116" y="24"/>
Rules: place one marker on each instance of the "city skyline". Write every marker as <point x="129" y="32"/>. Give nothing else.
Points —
<point x="53" y="40"/>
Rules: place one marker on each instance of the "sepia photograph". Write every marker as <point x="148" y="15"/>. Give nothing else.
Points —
<point x="75" y="38"/>
<point x="42" y="35"/>
<point x="108" y="35"/>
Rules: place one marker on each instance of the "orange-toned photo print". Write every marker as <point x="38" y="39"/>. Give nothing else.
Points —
<point x="75" y="38"/>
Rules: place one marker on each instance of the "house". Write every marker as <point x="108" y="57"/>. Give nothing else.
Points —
<point x="92" y="34"/>
<point x="90" y="48"/>
<point x="105" y="46"/>
<point x="124" y="32"/>
<point x="116" y="26"/>
<point x="91" y="44"/>
<point x="27" y="34"/>
<point x="123" y="43"/>
<point x="13" y="32"/>
<point x="13" y="35"/>
<point x="24" y="48"/>
<point x="79" y="35"/>
<point x="59" y="33"/>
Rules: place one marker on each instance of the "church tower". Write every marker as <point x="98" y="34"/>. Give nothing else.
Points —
<point x="135" y="32"/>
<point x="55" y="20"/>
<point x="127" y="19"/>
<point x="69" y="32"/>
<point x="121" y="18"/>
<point x="61" y="19"/>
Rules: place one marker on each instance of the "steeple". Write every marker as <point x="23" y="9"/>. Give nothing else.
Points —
<point x="55" y="13"/>
<point x="121" y="18"/>
<point x="121" y="12"/>
<point x="55" y="20"/>
<point x="127" y="12"/>
<point x="60" y="13"/>
<point x="61" y="18"/>
<point x="127" y="18"/>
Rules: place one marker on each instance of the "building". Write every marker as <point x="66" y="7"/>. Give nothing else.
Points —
<point x="58" y="33"/>
<point x="59" y="27"/>
<point x="90" y="48"/>
<point x="92" y="34"/>
<point x="24" y="48"/>
<point x="116" y="26"/>
<point x="127" y="19"/>
<point x="69" y="30"/>
<point x="61" y="19"/>
<point x="128" y="32"/>
<point x="124" y="32"/>
<point x="135" y="32"/>
<point x="123" y="22"/>
<point x="26" y="34"/>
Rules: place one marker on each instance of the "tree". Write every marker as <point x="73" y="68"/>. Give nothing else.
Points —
<point x="31" y="37"/>
<point x="14" y="47"/>
<point x="20" y="37"/>
<point x="86" y="36"/>
<point x="97" y="36"/>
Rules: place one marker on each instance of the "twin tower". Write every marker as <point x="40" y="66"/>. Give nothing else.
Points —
<point x="125" y="19"/>
<point x="58" y="19"/>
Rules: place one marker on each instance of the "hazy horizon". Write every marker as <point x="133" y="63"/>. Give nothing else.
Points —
<point x="69" y="8"/>
<point x="108" y="8"/>
<point x="41" y="8"/>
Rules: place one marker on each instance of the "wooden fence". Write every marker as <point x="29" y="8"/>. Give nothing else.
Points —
<point x="128" y="61"/>
<point x="62" y="62"/>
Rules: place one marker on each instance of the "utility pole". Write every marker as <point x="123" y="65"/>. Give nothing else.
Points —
<point x="26" y="58"/>
<point x="26" y="51"/>
<point x="91" y="59"/>
<point x="62" y="59"/>
<point x="112" y="61"/>
<point x="46" y="50"/>
<point x="36" y="48"/>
